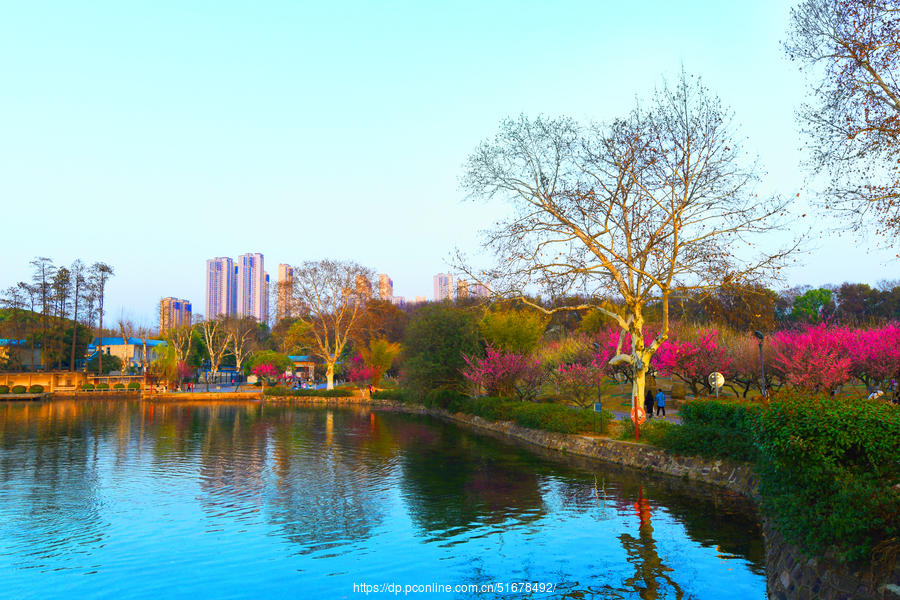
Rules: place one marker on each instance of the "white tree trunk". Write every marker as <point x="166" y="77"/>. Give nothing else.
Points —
<point x="329" y="376"/>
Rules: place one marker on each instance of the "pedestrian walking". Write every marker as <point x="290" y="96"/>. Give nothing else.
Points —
<point x="648" y="403"/>
<point x="660" y="403"/>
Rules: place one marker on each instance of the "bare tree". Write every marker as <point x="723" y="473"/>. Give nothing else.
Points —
<point x="241" y="340"/>
<point x="42" y="279"/>
<point x="328" y="299"/>
<point x="144" y="332"/>
<point x="649" y="205"/>
<point x="851" y="49"/>
<point x="78" y="284"/>
<point x="213" y="331"/>
<point x="127" y="329"/>
<point x="61" y="292"/>
<point x="182" y="339"/>
<point x="97" y="279"/>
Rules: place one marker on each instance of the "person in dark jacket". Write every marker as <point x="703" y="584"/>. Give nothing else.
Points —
<point x="648" y="403"/>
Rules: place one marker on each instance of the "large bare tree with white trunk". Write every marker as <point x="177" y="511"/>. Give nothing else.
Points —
<point x="329" y="299"/>
<point x="661" y="201"/>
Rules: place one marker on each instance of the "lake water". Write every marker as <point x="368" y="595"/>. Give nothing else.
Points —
<point x="124" y="499"/>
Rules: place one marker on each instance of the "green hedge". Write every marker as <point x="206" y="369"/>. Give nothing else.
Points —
<point x="18" y="389"/>
<point x="134" y="385"/>
<point x="36" y="389"/>
<point x="828" y="468"/>
<point x="549" y="417"/>
<point x="335" y="393"/>
<point x="118" y="386"/>
<point x="88" y="387"/>
<point x="4" y="389"/>
<point x="102" y="386"/>
<point x="712" y="428"/>
<point x="653" y="431"/>
<point x="394" y="394"/>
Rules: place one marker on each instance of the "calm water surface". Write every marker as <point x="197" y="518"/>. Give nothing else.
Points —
<point x="119" y="499"/>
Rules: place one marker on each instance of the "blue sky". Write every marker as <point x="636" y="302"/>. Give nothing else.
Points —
<point x="154" y="136"/>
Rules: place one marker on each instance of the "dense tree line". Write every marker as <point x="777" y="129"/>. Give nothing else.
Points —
<point x="54" y="315"/>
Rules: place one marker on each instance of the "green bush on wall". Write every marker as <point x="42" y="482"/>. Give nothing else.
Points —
<point x="118" y="386"/>
<point x="134" y="385"/>
<point x="102" y="386"/>
<point x="335" y="393"/>
<point x="712" y="428"/>
<point x="828" y="472"/>
<point x="36" y="389"/>
<point x="88" y="387"/>
<point x="549" y="417"/>
<point x="4" y="389"/>
<point x="394" y="394"/>
<point x="18" y="389"/>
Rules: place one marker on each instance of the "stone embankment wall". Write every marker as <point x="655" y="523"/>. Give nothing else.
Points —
<point x="791" y="574"/>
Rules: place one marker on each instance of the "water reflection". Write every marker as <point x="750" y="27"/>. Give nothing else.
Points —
<point x="642" y="553"/>
<point x="268" y="496"/>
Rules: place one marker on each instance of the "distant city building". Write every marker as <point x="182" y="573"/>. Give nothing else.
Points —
<point x="385" y="287"/>
<point x="252" y="287"/>
<point x="285" y="291"/>
<point x="462" y="289"/>
<point x="398" y="301"/>
<point x="420" y="300"/>
<point x="173" y="313"/>
<point x="443" y="287"/>
<point x="481" y="290"/>
<point x="221" y="287"/>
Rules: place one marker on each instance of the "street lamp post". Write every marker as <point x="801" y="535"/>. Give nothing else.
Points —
<point x="599" y="401"/>
<point x="762" y="364"/>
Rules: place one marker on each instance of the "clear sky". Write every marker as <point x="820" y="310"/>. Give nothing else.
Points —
<point x="153" y="136"/>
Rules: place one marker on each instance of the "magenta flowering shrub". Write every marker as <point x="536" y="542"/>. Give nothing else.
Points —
<point x="267" y="373"/>
<point x="693" y="361"/>
<point x="505" y="374"/>
<point x="578" y="382"/>
<point x="816" y="358"/>
<point x="359" y="373"/>
<point x="821" y="358"/>
<point x="876" y="356"/>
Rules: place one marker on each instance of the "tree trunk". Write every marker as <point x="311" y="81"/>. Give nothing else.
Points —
<point x="329" y="376"/>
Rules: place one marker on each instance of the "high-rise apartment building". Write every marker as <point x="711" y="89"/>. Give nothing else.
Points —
<point x="481" y="290"/>
<point x="443" y="287"/>
<point x="285" y="291"/>
<point x="385" y="287"/>
<point x="173" y="312"/>
<point x="252" y="287"/>
<point x="420" y="299"/>
<point x="221" y="288"/>
<point x="398" y="301"/>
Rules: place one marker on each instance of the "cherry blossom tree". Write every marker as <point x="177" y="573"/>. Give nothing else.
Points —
<point x="505" y="374"/>
<point x="816" y="358"/>
<point x="692" y="361"/>
<point x="359" y="373"/>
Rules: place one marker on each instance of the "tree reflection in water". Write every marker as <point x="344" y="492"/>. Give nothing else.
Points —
<point x="642" y="553"/>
